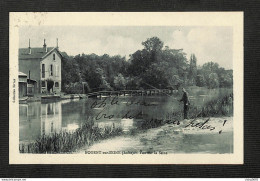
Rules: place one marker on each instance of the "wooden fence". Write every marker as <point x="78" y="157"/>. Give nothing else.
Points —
<point x="147" y="92"/>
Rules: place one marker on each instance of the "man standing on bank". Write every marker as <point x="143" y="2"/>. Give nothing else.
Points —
<point x="186" y="102"/>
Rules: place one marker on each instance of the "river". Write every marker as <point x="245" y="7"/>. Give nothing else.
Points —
<point x="36" y="118"/>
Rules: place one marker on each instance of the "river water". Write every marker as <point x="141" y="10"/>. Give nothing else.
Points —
<point x="36" y="118"/>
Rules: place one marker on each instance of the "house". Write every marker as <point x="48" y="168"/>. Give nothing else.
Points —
<point x="42" y="66"/>
<point x="22" y="84"/>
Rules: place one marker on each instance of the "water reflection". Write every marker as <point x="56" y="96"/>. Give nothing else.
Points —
<point x="127" y="124"/>
<point x="51" y="118"/>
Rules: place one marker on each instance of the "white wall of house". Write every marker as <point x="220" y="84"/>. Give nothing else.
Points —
<point x="53" y="73"/>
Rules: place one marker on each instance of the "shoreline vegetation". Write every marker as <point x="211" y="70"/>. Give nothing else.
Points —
<point x="90" y="133"/>
<point x="67" y="142"/>
<point x="52" y="97"/>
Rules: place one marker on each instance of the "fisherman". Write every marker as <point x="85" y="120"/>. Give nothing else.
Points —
<point x="186" y="102"/>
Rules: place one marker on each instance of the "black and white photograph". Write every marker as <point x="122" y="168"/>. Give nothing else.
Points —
<point x="132" y="90"/>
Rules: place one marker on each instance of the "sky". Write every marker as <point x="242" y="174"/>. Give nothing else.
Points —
<point x="207" y="43"/>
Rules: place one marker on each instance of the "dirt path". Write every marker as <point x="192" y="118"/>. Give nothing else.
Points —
<point x="199" y="136"/>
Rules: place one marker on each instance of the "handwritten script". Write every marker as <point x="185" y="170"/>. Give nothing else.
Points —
<point x="106" y="103"/>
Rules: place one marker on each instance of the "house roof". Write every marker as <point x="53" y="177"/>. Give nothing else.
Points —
<point x="22" y="74"/>
<point x="36" y="53"/>
<point x="30" y="80"/>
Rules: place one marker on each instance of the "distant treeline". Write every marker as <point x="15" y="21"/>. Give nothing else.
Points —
<point x="155" y="65"/>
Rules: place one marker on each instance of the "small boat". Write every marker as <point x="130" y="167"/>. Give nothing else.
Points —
<point x="71" y="96"/>
<point x="75" y="97"/>
<point x="23" y="99"/>
<point x="66" y="97"/>
<point x="48" y="98"/>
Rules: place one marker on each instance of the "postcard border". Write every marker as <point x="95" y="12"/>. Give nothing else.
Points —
<point x="234" y="19"/>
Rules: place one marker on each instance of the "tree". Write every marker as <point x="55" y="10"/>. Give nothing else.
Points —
<point x="153" y="44"/>
<point x="120" y="82"/>
<point x="92" y="77"/>
<point x="210" y="67"/>
<point x="192" y="69"/>
<point x="139" y="62"/>
<point x="216" y="76"/>
<point x="226" y="78"/>
<point x="213" y="81"/>
<point x="200" y="81"/>
<point x="70" y="71"/>
<point x="154" y="76"/>
<point x="156" y="66"/>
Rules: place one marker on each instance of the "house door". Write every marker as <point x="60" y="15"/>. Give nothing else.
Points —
<point x="30" y="89"/>
<point x="50" y="86"/>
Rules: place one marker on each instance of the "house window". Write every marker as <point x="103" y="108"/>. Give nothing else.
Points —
<point x="53" y="56"/>
<point x="57" y="70"/>
<point x="51" y="71"/>
<point x="56" y="84"/>
<point x="43" y="70"/>
<point x="43" y="83"/>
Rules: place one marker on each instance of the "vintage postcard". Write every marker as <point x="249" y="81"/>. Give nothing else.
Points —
<point x="126" y="88"/>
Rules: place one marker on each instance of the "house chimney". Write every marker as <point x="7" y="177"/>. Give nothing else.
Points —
<point x="44" y="46"/>
<point x="29" y="76"/>
<point x="30" y="50"/>
<point x="57" y="43"/>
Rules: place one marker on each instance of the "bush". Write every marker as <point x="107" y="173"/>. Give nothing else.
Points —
<point x="73" y="88"/>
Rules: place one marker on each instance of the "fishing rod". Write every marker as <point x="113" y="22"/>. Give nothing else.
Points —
<point x="162" y="92"/>
<point x="179" y="104"/>
<point x="157" y="89"/>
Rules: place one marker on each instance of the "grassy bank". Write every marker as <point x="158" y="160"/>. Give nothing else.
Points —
<point x="222" y="106"/>
<point x="67" y="142"/>
<point x="218" y="107"/>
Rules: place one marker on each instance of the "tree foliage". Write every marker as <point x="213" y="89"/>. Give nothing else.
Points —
<point x="153" y="66"/>
<point x="192" y="70"/>
<point x="153" y="44"/>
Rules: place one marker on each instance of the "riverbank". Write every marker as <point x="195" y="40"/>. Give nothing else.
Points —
<point x="173" y="138"/>
<point x="51" y="97"/>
